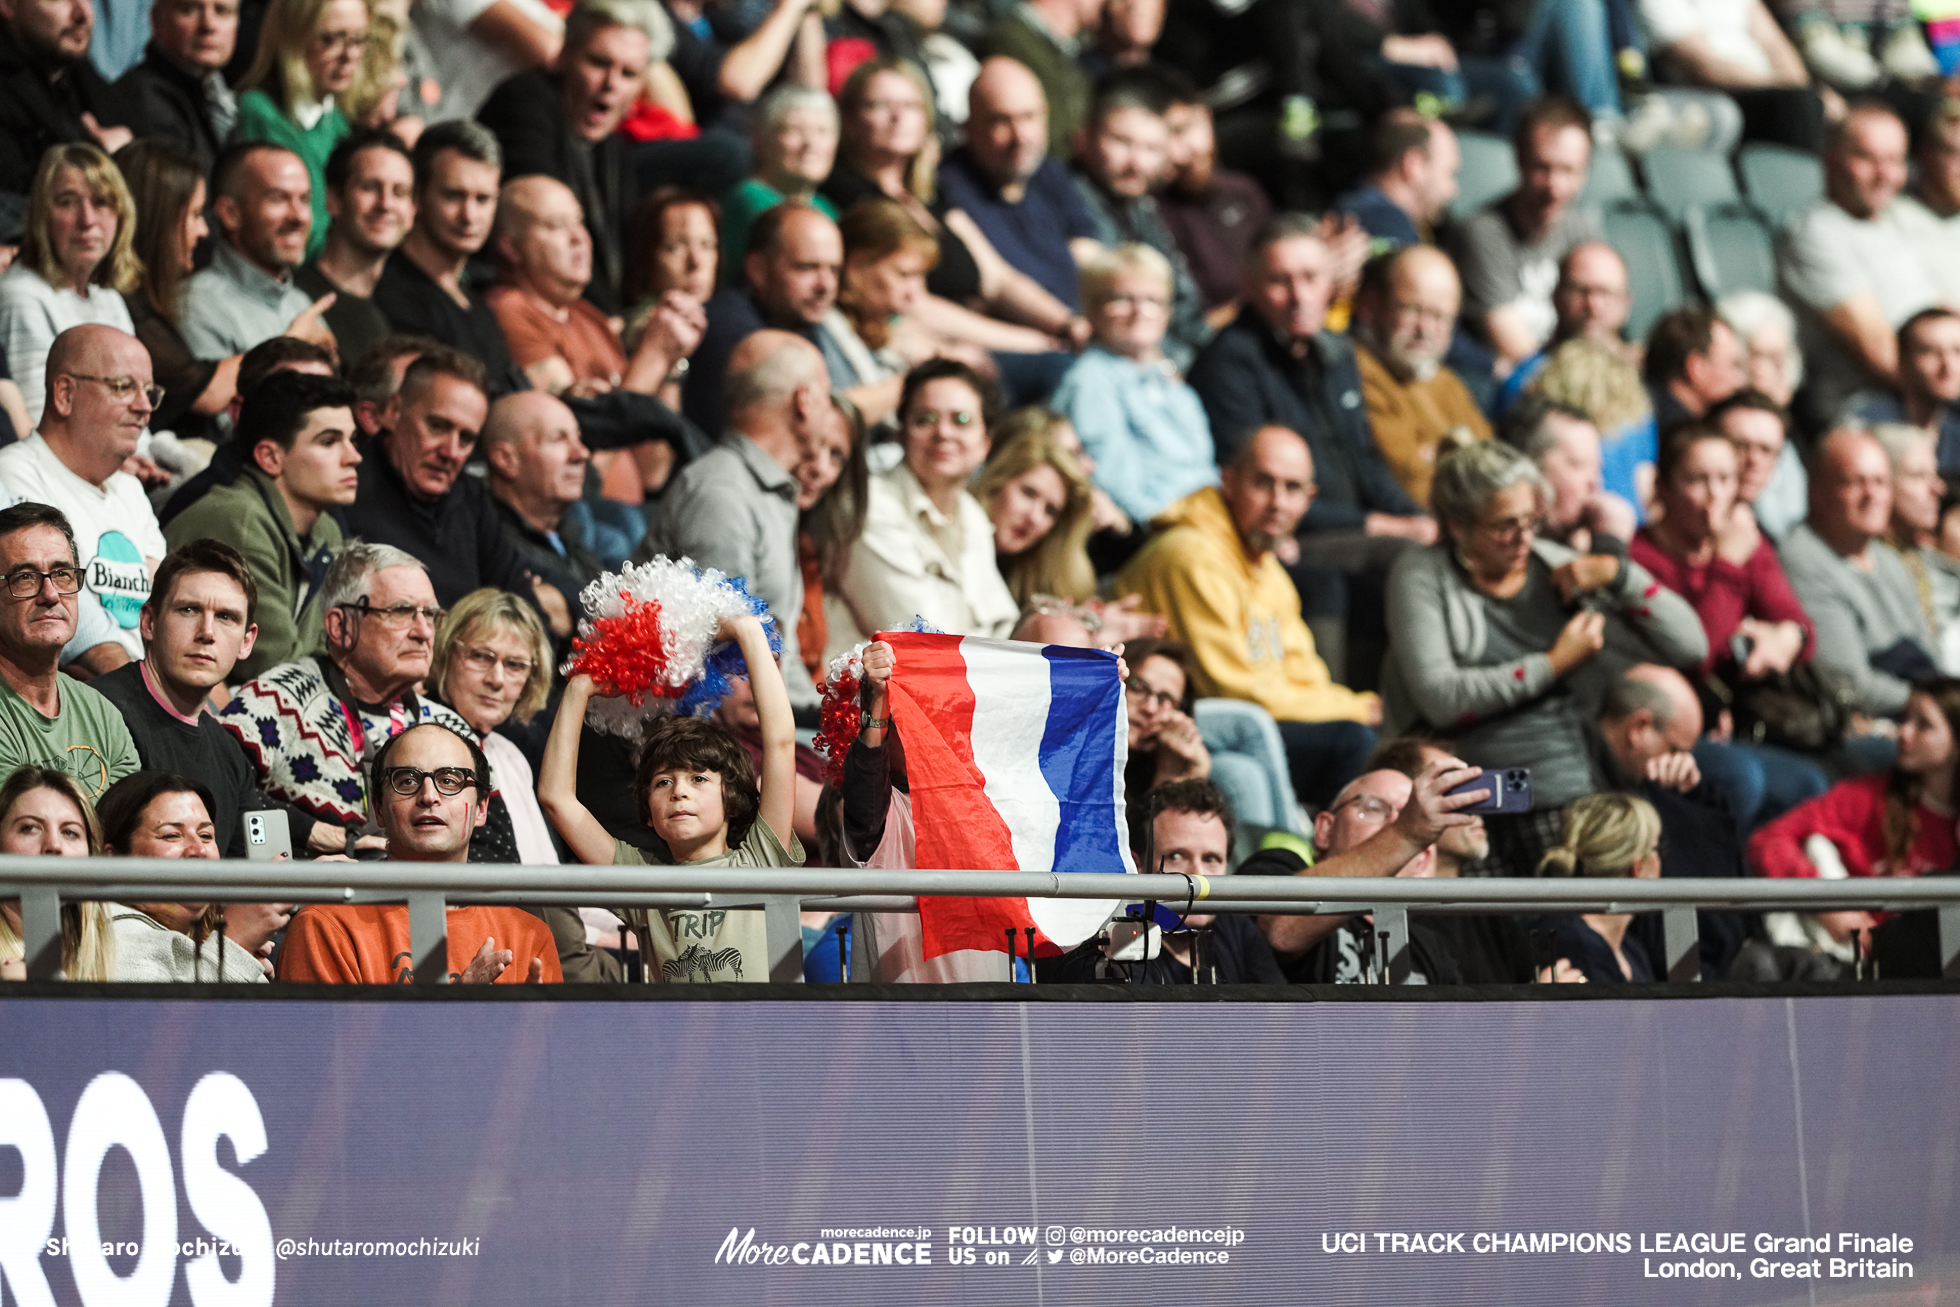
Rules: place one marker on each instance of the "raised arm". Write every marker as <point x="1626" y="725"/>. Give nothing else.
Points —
<point x="558" y="781"/>
<point x="777" y="721"/>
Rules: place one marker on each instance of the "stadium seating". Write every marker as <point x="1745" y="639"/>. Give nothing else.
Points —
<point x="1678" y="180"/>
<point x="1609" y="179"/>
<point x="1731" y="248"/>
<point x="1779" y="180"/>
<point x="1645" y="241"/>
<point x="1490" y="171"/>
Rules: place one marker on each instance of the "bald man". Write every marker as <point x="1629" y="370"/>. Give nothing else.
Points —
<point x="795" y="258"/>
<point x="735" y="507"/>
<point x="564" y="343"/>
<point x="1871" y="630"/>
<point x="537" y="471"/>
<point x="1849" y="263"/>
<point x="100" y="397"/>
<point x="1005" y="179"/>
<point x="262" y="199"/>
<point x="1404" y="319"/>
<point x="1046" y="37"/>
<point x="1593" y="301"/>
<point x="1210" y="572"/>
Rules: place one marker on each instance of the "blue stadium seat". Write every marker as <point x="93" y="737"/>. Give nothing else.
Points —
<point x="1490" y="172"/>
<point x="1677" y="179"/>
<point x="1780" y="181"/>
<point x="1646" y="242"/>
<point x="1609" y="179"/>
<point x="1731" y="248"/>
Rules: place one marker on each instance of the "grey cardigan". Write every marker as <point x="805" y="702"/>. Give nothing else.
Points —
<point x="1438" y="632"/>
<point x="146" y="949"/>
<point x="1857" y="614"/>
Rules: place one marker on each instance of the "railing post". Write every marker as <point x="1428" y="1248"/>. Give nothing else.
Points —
<point x="860" y="948"/>
<point x="40" y="932"/>
<point x="428" y="936"/>
<point x="1392" y="942"/>
<point x="782" y="917"/>
<point x="1681" y="941"/>
<point x="1950" y="941"/>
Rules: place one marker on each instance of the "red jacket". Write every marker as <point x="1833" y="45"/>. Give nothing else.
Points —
<point x="1723" y="594"/>
<point x="1851" y="815"/>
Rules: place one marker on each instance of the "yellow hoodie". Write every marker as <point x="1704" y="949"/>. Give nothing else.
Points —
<point x="1240" y="616"/>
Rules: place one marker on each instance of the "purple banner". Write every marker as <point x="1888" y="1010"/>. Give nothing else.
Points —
<point x="1723" y="1151"/>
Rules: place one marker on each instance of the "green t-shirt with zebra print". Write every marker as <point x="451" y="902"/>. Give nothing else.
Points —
<point x="718" y="944"/>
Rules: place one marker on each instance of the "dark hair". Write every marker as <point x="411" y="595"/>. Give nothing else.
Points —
<point x="27" y="513"/>
<point x="1747" y="398"/>
<point x="466" y="137"/>
<point x="477" y="759"/>
<point x="1178" y="85"/>
<point x="162" y="178"/>
<point x="1522" y="425"/>
<point x="837" y="519"/>
<point x="1675" y="337"/>
<point x="1404" y="753"/>
<point x="231" y="162"/>
<point x="1137" y="652"/>
<point x="373" y="377"/>
<point x="1680" y="438"/>
<point x="440" y="361"/>
<point x="1558" y="111"/>
<point x="277" y="408"/>
<point x="1903" y="790"/>
<point x="276" y="355"/>
<point x="941" y="369"/>
<point x="766" y="233"/>
<point x="1131" y="88"/>
<point x="122" y="805"/>
<point x="203" y="555"/>
<point x="340" y="164"/>
<point x="1395" y="134"/>
<point x="643" y="236"/>
<point x="1906" y="329"/>
<point x="1199" y="797"/>
<point x="697" y="744"/>
<point x="1378" y="274"/>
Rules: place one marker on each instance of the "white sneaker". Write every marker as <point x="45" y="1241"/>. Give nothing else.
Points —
<point x="1837" y="61"/>
<point x="1907" y="56"/>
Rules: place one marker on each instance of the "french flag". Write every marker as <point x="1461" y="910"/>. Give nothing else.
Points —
<point x="1014" y="755"/>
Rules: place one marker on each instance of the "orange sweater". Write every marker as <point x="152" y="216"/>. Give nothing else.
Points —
<point x="367" y="943"/>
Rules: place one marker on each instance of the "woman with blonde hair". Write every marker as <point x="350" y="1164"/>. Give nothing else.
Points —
<point x="492" y="664"/>
<point x="1613" y="835"/>
<point x="310" y="52"/>
<point x="44" y="813"/>
<point x="76" y="258"/>
<point x="1037" y="497"/>
<point x="1596" y="379"/>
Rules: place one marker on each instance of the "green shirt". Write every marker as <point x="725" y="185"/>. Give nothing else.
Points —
<point x="743" y="204"/>
<point x="259" y="119"/>
<point x="710" y="943"/>
<point x="88" y="740"/>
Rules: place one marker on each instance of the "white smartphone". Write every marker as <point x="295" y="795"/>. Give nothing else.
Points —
<point x="267" y="836"/>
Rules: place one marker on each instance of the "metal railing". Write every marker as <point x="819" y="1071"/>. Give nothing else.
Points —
<point x="42" y="884"/>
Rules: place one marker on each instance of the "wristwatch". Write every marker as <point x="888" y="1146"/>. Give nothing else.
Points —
<point x="874" y="724"/>
<point x="678" y="373"/>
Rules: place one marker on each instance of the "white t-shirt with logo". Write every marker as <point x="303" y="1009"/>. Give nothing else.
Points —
<point x="115" y="528"/>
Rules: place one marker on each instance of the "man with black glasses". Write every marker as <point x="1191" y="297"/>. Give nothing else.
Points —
<point x="431" y="793"/>
<point x="48" y="719"/>
<point x="312" y="726"/>
<point x="100" y="397"/>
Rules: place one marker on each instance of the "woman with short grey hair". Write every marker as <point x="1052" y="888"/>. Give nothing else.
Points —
<point x="1506" y="643"/>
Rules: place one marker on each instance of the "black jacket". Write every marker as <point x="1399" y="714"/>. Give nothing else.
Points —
<point x="36" y="112"/>
<point x="168" y="104"/>
<point x="1247" y="379"/>
<point x="527" y="116"/>
<point x="413" y="302"/>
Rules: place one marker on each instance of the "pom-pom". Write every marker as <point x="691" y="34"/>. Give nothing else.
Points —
<point x="842" y="713"/>
<point x="648" y="642"/>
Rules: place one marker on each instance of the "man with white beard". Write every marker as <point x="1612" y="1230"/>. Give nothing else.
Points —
<point x="1404" y="317"/>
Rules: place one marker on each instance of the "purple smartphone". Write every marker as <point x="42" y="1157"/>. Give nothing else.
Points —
<point x="1510" y="790"/>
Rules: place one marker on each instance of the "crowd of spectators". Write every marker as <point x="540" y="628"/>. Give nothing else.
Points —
<point x="340" y="352"/>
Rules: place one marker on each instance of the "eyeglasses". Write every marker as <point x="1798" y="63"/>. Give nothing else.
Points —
<point x="1373" y="808"/>
<point x="124" y="389"/>
<point x="1138" y="303"/>
<point x="450" y="781"/>
<point x="336" y="42"/>
<point x="1149" y="693"/>
<point x="1510" y="528"/>
<point x="927" y="418"/>
<point x="484" y="659"/>
<point x="25" y="582"/>
<point x="399" y="616"/>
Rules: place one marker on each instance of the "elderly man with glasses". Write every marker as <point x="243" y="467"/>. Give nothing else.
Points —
<point x="432" y="793"/>
<point x="48" y="719"/>
<point x="100" y="397"/>
<point x="312" y="726"/>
